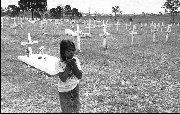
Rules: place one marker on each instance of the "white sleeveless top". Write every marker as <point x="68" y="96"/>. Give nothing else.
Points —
<point x="71" y="82"/>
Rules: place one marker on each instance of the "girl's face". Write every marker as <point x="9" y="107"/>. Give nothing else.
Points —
<point x="69" y="53"/>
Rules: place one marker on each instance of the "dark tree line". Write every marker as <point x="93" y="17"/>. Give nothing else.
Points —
<point x="60" y="12"/>
<point x="38" y="8"/>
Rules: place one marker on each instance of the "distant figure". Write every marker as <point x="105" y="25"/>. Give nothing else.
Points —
<point x="68" y="85"/>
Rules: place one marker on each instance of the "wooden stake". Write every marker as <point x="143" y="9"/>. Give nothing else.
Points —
<point x="2" y="22"/>
<point x="78" y="39"/>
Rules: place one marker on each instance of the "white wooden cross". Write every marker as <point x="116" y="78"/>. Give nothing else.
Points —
<point x="78" y="39"/>
<point x="104" y="36"/>
<point x="89" y="27"/>
<point x="152" y="24"/>
<point x="14" y="26"/>
<point x="127" y="25"/>
<point x="132" y="35"/>
<point x="104" y="30"/>
<point x="162" y="25"/>
<point x="158" y="26"/>
<point x="154" y="30"/>
<point x="29" y="41"/>
<point x="57" y="22"/>
<point x="117" y="25"/>
<point x="168" y="31"/>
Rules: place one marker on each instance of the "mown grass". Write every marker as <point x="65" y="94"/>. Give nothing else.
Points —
<point x="144" y="77"/>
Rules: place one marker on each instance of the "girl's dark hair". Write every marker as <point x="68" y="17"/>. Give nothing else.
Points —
<point x="64" y="45"/>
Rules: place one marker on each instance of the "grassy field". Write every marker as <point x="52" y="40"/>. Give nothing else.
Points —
<point x="144" y="77"/>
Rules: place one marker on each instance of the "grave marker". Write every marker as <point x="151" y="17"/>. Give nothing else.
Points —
<point x="132" y="36"/>
<point x="152" y="24"/>
<point x="2" y="22"/>
<point x="14" y="26"/>
<point x="21" y="23"/>
<point x="29" y="41"/>
<point x="57" y="22"/>
<point x="117" y="25"/>
<point x="29" y="51"/>
<point x="49" y="64"/>
<point x="31" y="21"/>
<point x="154" y="30"/>
<point x="104" y="37"/>
<point x="162" y="25"/>
<point x="168" y="31"/>
<point x="158" y="26"/>
<point x="78" y="39"/>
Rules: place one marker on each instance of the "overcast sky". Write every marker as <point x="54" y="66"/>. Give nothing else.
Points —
<point x="103" y="6"/>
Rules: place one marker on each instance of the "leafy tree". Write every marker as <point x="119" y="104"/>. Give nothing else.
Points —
<point x="74" y="12"/>
<point x="56" y="12"/>
<point x="79" y="15"/>
<point x="53" y="13"/>
<point x="171" y="6"/>
<point x="13" y="10"/>
<point x="59" y="12"/>
<point x="3" y="13"/>
<point x="22" y="6"/>
<point x="67" y="10"/>
<point x="116" y="10"/>
<point x="33" y="5"/>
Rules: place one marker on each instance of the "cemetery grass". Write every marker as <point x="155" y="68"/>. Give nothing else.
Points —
<point x="144" y="77"/>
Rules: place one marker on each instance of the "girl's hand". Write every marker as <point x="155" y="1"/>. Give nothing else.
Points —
<point x="71" y="62"/>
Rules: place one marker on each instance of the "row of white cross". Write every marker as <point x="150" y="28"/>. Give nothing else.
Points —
<point x="79" y="33"/>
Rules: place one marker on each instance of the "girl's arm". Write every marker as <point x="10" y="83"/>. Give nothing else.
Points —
<point x="64" y="75"/>
<point x="76" y="71"/>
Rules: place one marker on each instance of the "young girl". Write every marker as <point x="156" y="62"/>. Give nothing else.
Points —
<point x="68" y="85"/>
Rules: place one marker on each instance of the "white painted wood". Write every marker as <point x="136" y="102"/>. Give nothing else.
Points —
<point x="29" y="41"/>
<point x="168" y="31"/>
<point x="117" y="27"/>
<point x="132" y="36"/>
<point x="46" y="63"/>
<point x="78" y="39"/>
<point x="70" y="32"/>
<point x="105" y="42"/>
<point x="2" y="23"/>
